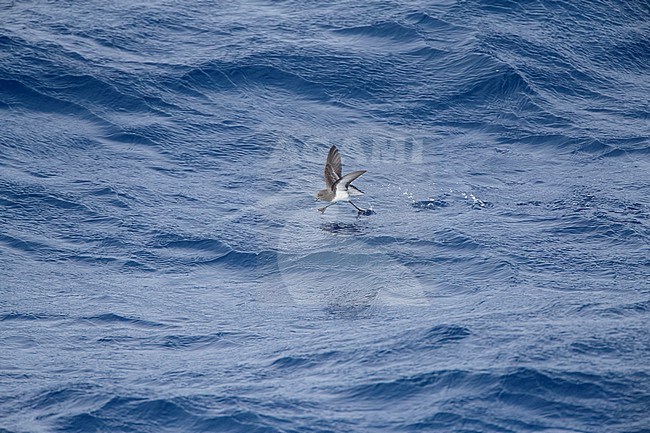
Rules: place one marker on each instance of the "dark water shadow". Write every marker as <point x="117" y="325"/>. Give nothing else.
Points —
<point x="342" y="228"/>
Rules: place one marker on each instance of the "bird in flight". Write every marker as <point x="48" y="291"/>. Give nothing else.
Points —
<point x="338" y="187"/>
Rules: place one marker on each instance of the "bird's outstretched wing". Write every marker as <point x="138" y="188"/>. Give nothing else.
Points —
<point x="346" y="180"/>
<point x="333" y="167"/>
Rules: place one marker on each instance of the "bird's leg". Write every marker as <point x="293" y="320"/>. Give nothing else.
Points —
<point x="322" y="209"/>
<point x="357" y="207"/>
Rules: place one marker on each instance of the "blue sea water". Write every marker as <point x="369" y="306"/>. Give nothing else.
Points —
<point x="164" y="268"/>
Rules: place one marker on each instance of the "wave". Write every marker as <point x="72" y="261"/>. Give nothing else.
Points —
<point x="177" y="413"/>
<point x="393" y="31"/>
<point x="122" y="320"/>
<point x="527" y="392"/>
<point x="218" y="76"/>
<point x="26" y="316"/>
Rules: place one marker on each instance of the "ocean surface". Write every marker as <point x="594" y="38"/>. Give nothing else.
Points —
<point x="164" y="268"/>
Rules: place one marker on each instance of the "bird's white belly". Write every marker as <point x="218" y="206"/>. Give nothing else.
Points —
<point x="341" y="196"/>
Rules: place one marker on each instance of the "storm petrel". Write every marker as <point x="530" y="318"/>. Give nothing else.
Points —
<point x="338" y="187"/>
